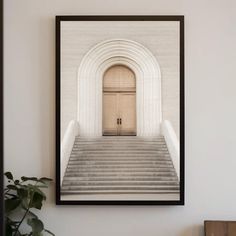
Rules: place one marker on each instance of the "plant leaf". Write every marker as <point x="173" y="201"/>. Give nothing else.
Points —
<point x="25" y="203"/>
<point x="11" y="204"/>
<point x="24" y="178"/>
<point x="12" y="187"/>
<point x="14" y="223"/>
<point x="36" y="201"/>
<point x="22" y="193"/>
<point x="8" y="229"/>
<point x="40" y="192"/>
<point x="45" y="179"/>
<point x="49" y="232"/>
<point x="36" y="225"/>
<point x="24" y="186"/>
<point x="10" y="195"/>
<point x="32" y="214"/>
<point x="37" y="234"/>
<point x="9" y="175"/>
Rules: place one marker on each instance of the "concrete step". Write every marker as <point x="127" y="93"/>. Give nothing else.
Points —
<point x="119" y="144"/>
<point x="119" y="162"/>
<point x="118" y="166"/>
<point x="119" y="138"/>
<point x="118" y="152"/>
<point x="121" y="188"/>
<point x="121" y="191"/>
<point x="121" y="178"/>
<point x="120" y="155"/>
<point x="121" y="174"/>
<point x="115" y="148"/>
<point x="121" y="147"/>
<point x="120" y="183"/>
<point x="123" y="143"/>
<point x="119" y="158"/>
<point x="115" y="161"/>
<point x="119" y="170"/>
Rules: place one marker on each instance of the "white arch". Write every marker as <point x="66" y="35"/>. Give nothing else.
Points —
<point x="148" y="85"/>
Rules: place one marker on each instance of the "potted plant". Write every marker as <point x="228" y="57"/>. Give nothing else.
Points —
<point x="22" y="196"/>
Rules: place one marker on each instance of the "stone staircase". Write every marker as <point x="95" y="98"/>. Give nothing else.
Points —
<point x="120" y="165"/>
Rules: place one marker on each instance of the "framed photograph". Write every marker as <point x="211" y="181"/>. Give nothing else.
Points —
<point x="1" y="122"/>
<point x="120" y="110"/>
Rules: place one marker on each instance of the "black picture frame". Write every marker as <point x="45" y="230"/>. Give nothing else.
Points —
<point x="1" y="121"/>
<point x="180" y="19"/>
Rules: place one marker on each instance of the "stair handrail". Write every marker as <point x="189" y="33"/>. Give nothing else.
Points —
<point x="67" y="144"/>
<point x="172" y="143"/>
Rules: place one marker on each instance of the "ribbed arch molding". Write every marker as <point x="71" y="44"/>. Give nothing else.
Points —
<point x="148" y="85"/>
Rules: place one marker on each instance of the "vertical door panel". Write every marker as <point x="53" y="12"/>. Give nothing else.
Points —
<point x="127" y="111"/>
<point x="110" y="113"/>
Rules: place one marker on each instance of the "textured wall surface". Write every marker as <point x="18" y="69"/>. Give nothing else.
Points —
<point x="210" y="114"/>
<point x="160" y="38"/>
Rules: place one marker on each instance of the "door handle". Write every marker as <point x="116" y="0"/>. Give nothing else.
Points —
<point x="119" y="121"/>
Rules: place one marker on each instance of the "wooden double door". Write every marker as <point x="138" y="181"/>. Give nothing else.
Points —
<point x="119" y="102"/>
<point x="119" y="114"/>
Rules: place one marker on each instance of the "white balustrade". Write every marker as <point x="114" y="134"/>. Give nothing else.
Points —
<point x="172" y="143"/>
<point x="67" y="144"/>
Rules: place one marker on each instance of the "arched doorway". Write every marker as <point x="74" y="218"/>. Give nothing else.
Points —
<point x="119" y="101"/>
<point x="147" y="72"/>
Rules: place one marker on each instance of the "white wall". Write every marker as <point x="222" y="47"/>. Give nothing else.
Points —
<point x="210" y="114"/>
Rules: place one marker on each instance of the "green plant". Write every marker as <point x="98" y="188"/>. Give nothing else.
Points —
<point x="21" y="197"/>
